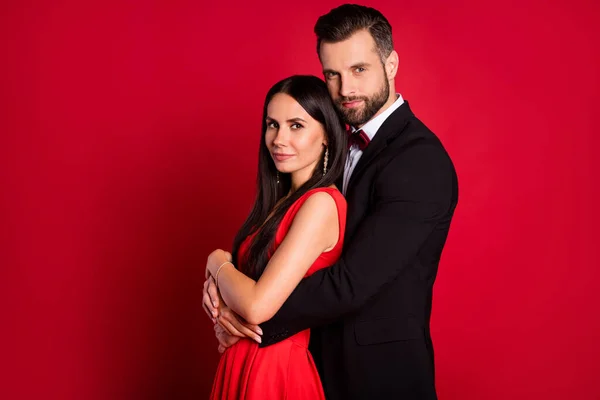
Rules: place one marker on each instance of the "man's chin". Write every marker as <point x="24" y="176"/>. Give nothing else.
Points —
<point x="356" y="122"/>
<point x="354" y="119"/>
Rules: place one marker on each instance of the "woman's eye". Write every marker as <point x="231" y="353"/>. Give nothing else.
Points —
<point x="297" y="126"/>
<point x="272" y="125"/>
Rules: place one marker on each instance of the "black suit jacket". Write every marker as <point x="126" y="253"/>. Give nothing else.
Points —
<point x="370" y="312"/>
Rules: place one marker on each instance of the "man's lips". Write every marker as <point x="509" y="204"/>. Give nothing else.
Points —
<point x="352" y="104"/>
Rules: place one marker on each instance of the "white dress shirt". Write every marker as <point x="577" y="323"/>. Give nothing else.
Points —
<point x="370" y="129"/>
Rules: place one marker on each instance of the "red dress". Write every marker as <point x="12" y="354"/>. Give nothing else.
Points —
<point x="285" y="370"/>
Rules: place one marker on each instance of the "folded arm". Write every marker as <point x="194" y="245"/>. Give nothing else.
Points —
<point x="315" y="229"/>
<point x="414" y="193"/>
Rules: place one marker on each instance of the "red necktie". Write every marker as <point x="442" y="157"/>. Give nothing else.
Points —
<point x="358" y="138"/>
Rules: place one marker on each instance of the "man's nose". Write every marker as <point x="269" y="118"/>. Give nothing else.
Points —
<point x="347" y="86"/>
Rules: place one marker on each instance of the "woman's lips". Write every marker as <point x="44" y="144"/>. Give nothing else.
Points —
<point x="282" y="157"/>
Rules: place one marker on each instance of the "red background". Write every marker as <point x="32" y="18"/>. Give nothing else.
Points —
<point x="129" y="137"/>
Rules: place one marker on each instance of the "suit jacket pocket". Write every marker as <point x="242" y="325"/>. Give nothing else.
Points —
<point x="384" y="330"/>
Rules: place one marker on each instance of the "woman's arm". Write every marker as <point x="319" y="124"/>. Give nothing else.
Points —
<point x="315" y="229"/>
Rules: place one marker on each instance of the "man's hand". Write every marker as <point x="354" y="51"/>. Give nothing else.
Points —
<point x="235" y="326"/>
<point x="222" y="315"/>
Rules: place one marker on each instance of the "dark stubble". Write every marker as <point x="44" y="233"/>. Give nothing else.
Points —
<point x="360" y="116"/>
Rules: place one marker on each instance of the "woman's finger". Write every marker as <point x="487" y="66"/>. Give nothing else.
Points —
<point x="240" y="326"/>
<point x="207" y="303"/>
<point x="213" y="292"/>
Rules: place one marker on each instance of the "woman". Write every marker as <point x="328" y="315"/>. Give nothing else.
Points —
<point x="295" y="228"/>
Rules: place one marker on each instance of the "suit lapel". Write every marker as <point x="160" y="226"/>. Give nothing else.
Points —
<point x="389" y="130"/>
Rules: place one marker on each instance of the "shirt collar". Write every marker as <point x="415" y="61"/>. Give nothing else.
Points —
<point x="373" y="125"/>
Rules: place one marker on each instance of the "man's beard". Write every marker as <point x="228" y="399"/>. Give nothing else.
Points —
<point x="360" y="116"/>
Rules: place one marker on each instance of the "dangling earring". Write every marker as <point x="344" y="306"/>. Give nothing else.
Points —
<point x="278" y="177"/>
<point x="325" y="159"/>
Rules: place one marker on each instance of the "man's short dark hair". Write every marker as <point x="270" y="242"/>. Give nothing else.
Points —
<point x="342" y="22"/>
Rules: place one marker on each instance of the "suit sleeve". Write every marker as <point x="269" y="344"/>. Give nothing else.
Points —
<point x="413" y="193"/>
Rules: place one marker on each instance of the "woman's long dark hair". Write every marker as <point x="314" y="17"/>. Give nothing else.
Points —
<point x="311" y="93"/>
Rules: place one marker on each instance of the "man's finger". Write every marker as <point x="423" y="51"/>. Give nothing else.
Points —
<point x="230" y="328"/>
<point x="253" y="328"/>
<point x="227" y="313"/>
<point x="239" y="326"/>
<point x="249" y="333"/>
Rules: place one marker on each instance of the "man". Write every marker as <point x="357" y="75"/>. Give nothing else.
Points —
<point x="370" y="312"/>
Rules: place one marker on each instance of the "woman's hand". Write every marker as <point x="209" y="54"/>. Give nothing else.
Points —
<point x="216" y="308"/>
<point x="209" y="292"/>
<point x="225" y="339"/>
<point x="215" y="260"/>
<point x="222" y="315"/>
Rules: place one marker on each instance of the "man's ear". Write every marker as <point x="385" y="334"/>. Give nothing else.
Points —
<point x="391" y="64"/>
